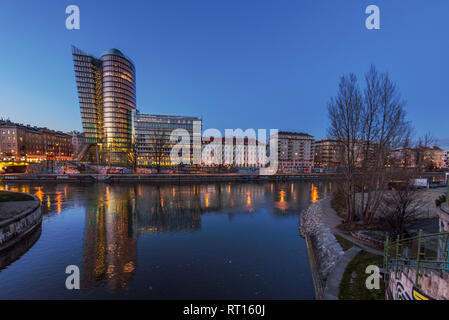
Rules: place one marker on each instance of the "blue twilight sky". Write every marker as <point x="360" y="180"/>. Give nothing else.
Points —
<point x="236" y="63"/>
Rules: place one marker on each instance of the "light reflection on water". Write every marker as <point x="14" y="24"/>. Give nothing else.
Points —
<point x="220" y="240"/>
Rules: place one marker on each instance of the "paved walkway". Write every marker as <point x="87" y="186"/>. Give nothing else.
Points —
<point x="332" y="220"/>
<point x="333" y="280"/>
<point x="11" y="208"/>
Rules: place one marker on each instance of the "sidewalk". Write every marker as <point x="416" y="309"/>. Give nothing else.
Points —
<point x="332" y="220"/>
<point x="12" y="208"/>
<point x="333" y="281"/>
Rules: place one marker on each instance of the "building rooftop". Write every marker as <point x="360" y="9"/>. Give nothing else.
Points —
<point x="326" y="140"/>
<point x="116" y="52"/>
<point x="164" y="116"/>
<point x="207" y="140"/>
<point x="9" y="123"/>
<point x="294" y="133"/>
<point x="113" y="51"/>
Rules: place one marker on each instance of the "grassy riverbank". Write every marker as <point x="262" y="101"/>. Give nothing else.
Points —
<point x="352" y="285"/>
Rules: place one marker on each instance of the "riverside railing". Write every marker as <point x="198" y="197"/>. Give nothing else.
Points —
<point x="423" y="252"/>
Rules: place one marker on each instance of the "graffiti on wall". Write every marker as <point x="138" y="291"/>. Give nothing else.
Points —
<point x="404" y="289"/>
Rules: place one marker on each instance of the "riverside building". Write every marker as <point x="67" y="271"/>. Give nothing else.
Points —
<point x="153" y="144"/>
<point x="107" y="98"/>
<point x="295" y="152"/>
<point x="243" y="152"/>
<point x="327" y="154"/>
<point x="20" y="142"/>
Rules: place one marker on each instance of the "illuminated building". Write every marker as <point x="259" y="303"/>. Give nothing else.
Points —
<point x="153" y="145"/>
<point x="330" y="154"/>
<point x="445" y="159"/>
<point x="295" y="151"/>
<point x="327" y="154"/>
<point x="107" y="98"/>
<point x="418" y="157"/>
<point x="247" y="157"/>
<point x="20" y="142"/>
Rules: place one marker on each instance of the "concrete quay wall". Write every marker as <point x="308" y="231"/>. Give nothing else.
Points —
<point x="15" y="228"/>
<point x="170" y="178"/>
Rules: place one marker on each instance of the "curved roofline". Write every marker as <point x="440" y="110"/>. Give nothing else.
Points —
<point x="117" y="52"/>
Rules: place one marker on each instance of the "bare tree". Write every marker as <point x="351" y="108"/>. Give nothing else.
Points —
<point x="345" y="114"/>
<point x="385" y="129"/>
<point x="405" y="159"/>
<point x="159" y="146"/>
<point x="423" y="145"/>
<point x="402" y="205"/>
<point x="369" y="126"/>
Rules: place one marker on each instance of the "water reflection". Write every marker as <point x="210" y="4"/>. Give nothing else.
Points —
<point x="109" y="238"/>
<point x="116" y="215"/>
<point x="314" y="194"/>
<point x="19" y="249"/>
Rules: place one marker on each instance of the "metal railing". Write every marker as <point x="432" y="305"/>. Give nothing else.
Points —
<point x="423" y="252"/>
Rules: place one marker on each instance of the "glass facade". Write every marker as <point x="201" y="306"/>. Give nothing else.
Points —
<point x="88" y="71"/>
<point x="153" y="145"/>
<point x="107" y="97"/>
<point x="119" y="102"/>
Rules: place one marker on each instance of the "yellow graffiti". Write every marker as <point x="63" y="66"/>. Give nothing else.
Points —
<point x="419" y="296"/>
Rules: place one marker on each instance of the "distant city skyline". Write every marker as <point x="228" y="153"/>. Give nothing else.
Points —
<point x="236" y="65"/>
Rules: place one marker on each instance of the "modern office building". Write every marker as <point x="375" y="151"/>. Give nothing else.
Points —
<point x="20" y="142"/>
<point x="107" y="98"/>
<point x="295" y="152"/>
<point x="153" y="145"/>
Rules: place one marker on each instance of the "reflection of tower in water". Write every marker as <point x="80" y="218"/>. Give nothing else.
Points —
<point x="109" y="240"/>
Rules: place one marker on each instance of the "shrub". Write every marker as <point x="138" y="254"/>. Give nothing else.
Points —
<point x="338" y="202"/>
<point x="440" y="200"/>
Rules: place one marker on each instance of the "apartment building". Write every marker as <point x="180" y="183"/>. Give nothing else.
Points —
<point x="20" y="142"/>
<point x="295" y="152"/>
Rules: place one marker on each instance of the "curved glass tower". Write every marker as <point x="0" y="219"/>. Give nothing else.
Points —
<point x="107" y="97"/>
<point x="119" y="105"/>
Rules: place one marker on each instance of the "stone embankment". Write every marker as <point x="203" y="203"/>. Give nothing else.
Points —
<point x="18" y="219"/>
<point x="324" y="249"/>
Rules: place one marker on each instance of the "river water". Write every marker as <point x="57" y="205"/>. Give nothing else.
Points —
<point x="147" y="241"/>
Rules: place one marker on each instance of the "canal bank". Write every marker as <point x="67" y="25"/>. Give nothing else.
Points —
<point x="323" y="248"/>
<point x="20" y="215"/>
<point x="159" y="178"/>
<point x="337" y="261"/>
<point x="177" y="178"/>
